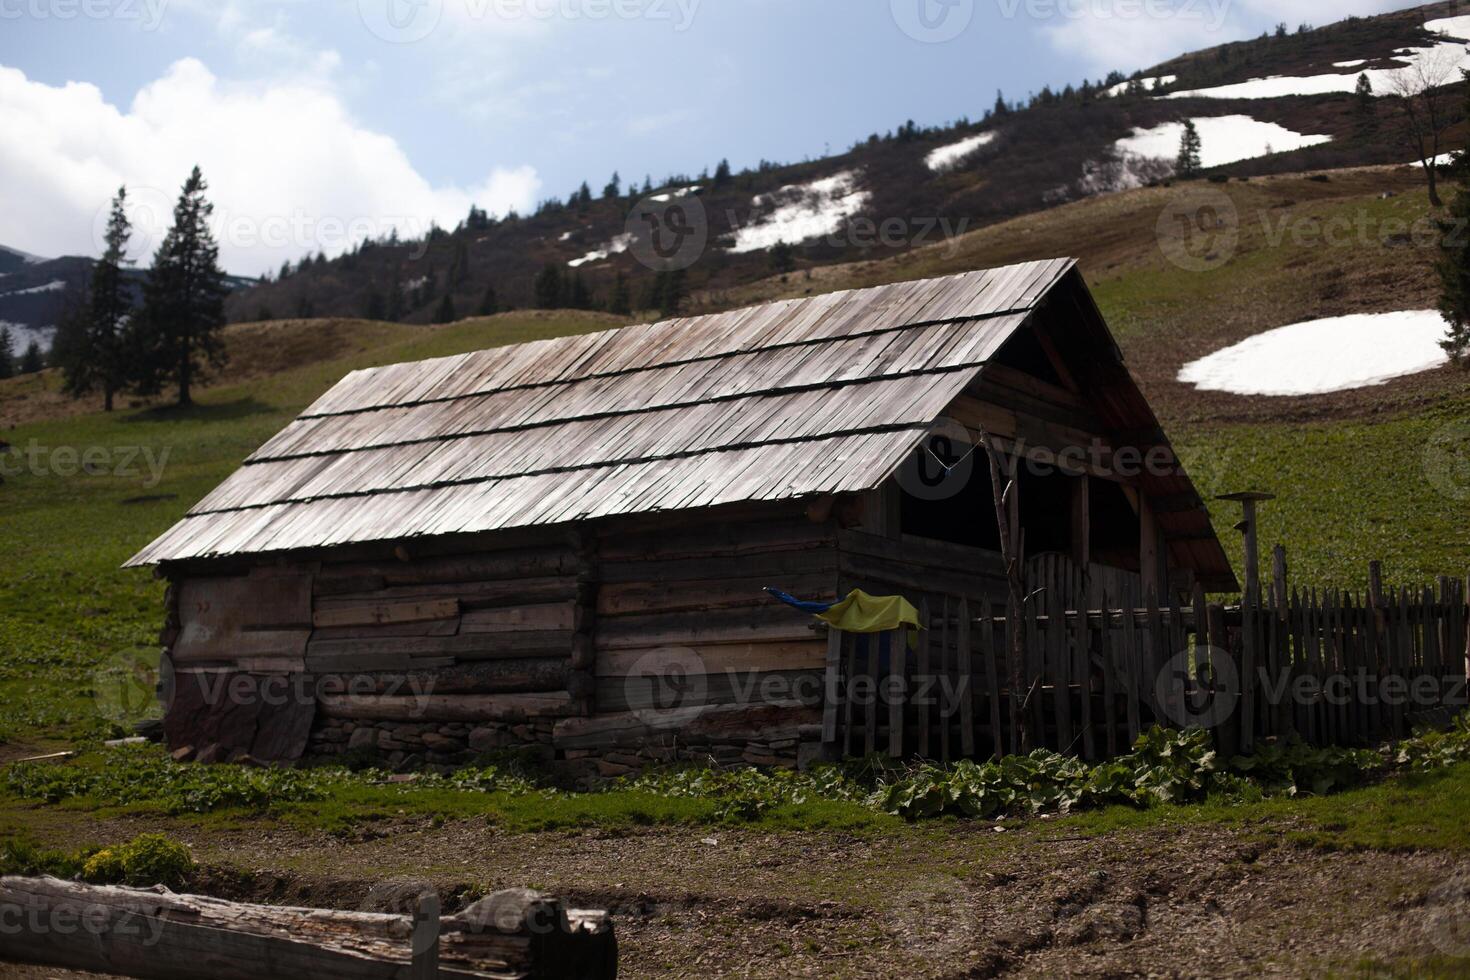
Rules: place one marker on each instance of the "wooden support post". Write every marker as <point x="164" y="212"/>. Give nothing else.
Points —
<point x="832" y="694"/>
<point x="1148" y="549"/>
<point x="1006" y="495"/>
<point x="424" y="961"/>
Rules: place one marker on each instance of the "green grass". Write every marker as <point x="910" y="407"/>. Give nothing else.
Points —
<point x="1412" y="811"/>
<point x="1347" y="493"/>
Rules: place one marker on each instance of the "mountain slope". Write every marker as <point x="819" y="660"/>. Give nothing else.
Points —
<point x="898" y="192"/>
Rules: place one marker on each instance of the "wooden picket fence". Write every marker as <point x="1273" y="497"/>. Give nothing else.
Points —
<point x="1334" y="667"/>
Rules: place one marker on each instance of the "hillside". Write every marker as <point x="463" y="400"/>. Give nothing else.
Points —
<point x="901" y="191"/>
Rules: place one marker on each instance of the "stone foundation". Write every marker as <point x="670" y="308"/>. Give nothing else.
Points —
<point x="446" y="746"/>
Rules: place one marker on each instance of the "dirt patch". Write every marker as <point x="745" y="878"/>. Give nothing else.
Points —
<point x="954" y="900"/>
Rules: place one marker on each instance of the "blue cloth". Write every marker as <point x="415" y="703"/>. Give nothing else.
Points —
<point x="802" y="604"/>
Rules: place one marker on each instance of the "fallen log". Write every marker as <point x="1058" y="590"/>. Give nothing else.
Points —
<point x="158" y="935"/>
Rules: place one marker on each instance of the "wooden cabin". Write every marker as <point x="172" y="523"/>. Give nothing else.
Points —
<point x="563" y="544"/>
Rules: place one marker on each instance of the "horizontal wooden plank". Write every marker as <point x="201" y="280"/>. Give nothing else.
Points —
<point x="471" y="646"/>
<point x="511" y="676"/>
<point x="518" y="564"/>
<point x="754" y="625"/>
<point x="471" y="595"/>
<point x="773" y="566"/>
<point x="432" y="627"/>
<point x="715" y="658"/>
<point x="720" y="593"/>
<point x="662" y="692"/>
<point x="387" y="613"/>
<point x="709" y="538"/>
<point x="456" y="707"/>
<point x="558" y="616"/>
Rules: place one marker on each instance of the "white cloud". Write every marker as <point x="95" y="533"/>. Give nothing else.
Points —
<point x="290" y="171"/>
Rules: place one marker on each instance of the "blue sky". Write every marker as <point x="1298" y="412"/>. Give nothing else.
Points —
<point x="319" y="119"/>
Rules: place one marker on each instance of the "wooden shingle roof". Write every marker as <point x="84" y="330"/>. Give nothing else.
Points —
<point x="821" y="395"/>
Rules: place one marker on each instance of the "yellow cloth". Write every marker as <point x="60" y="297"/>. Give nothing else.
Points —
<point x="862" y="613"/>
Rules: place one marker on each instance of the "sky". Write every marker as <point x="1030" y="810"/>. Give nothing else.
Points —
<point x="320" y="122"/>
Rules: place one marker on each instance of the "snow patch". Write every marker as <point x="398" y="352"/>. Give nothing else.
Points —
<point x="615" y="247"/>
<point x="667" y="196"/>
<point x="1319" y="356"/>
<point x="26" y="256"/>
<point x="1449" y="55"/>
<point x="805" y="211"/>
<point x="1223" y="139"/>
<point x="1443" y="160"/>
<point x="50" y="287"/>
<point x="1350" y="64"/>
<point x="949" y="157"/>
<point x="1149" y="84"/>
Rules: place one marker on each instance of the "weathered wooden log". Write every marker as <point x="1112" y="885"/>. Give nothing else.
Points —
<point x="451" y="707"/>
<point x="154" y="933"/>
<point x="764" y="722"/>
<point x="528" y="675"/>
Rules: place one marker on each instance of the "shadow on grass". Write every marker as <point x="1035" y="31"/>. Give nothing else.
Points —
<point x="239" y="408"/>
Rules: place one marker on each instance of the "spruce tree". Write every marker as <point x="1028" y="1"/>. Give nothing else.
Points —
<point x="375" y="308"/>
<point x="722" y="173"/>
<point x="394" y="311"/>
<point x="1187" y="164"/>
<point x="548" y="288"/>
<point x="7" y="353"/>
<point x="671" y="296"/>
<point x="614" y="188"/>
<point x="90" y="347"/>
<point x="183" y="300"/>
<point x="783" y="258"/>
<point x="489" y="303"/>
<point x="1366" y="117"/>
<point x="459" y="269"/>
<point x="444" y="313"/>
<point x="622" y="301"/>
<point x="1453" y="267"/>
<point x="31" y="362"/>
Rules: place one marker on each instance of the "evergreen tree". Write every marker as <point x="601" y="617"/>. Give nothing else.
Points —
<point x="671" y="293"/>
<point x="394" y="307"/>
<point x="582" y="200"/>
<point x="7" y="353"/>
<point x="614" y="188"/>
<point x="264" y="313"/>
<point x="1001" y="108"/>
<point x="548" y="287"/>
<point x="459" y="269"/>
<point x="376" y="308"/>
<point x="722" y="173"/>
<point x="184" y="300"/>
<point x="1453" y="266"/>
<point x="1187" y="164"/>
<point x="622" y="301"/>
<point x="579" y="297"/>
<point x="31" y="362"/>
<point x="305" y="308"/>
<point x="489" y="303"/>
<point x="783" y="258"/>
<point x="444" y="313"/>
<point x="1364" y="110"/>
<point x="92" y="354"/>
